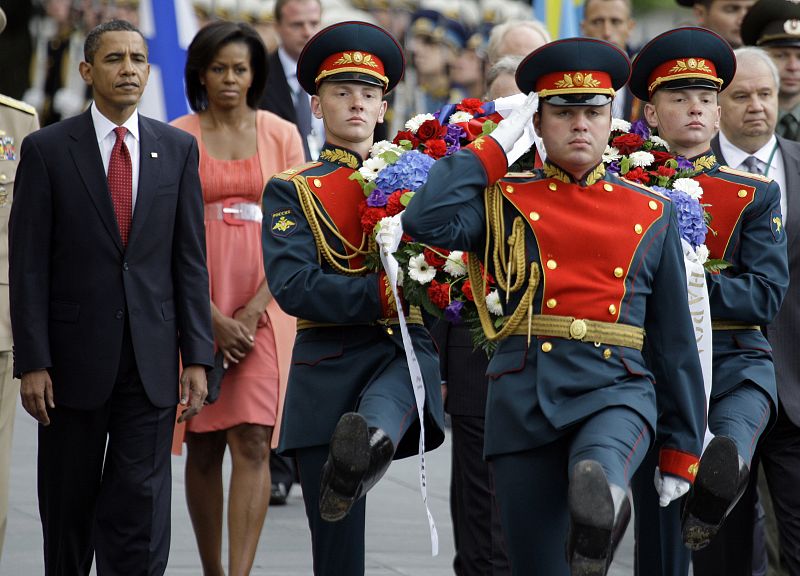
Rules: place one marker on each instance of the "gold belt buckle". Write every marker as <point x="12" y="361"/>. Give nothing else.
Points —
<point x="577" y="329"/>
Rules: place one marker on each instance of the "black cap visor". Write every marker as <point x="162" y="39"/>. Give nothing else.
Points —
<point x="579" y="99"/>
<point x="354" y="77"/>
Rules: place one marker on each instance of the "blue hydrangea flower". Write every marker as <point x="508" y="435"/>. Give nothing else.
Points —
<point x="691" y="224"/>
<point x="409" y="172"/>
<point x="453" y="312"/>
<point x="640" y="128"/>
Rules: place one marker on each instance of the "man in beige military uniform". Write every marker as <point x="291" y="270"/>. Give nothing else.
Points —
<point x="17" y="120"/>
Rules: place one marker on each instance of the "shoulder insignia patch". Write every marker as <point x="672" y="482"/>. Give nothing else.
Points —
<point x="283" y="223"/>
<point x="776" y="224"/>
<point x="18" y="104"/>
<point x="292" y="172"/>
<point x="759" y="177"/>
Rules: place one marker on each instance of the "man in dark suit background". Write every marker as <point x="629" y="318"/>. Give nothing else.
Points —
<point x="747" y="141"/>
<point x="296" y="21"/>
<point x="108" y="285"/>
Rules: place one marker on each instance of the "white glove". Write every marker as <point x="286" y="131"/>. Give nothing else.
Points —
<point x="669" y="488"/>
<point x="68" y="102"/>
<point x="511" y="128"/>
<point x="390" y="231"/>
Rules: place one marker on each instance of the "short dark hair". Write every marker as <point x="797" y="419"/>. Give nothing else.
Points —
<point x="205" y="46"/>
<point x="92" y="42"/>
<point x="279" y="8"/>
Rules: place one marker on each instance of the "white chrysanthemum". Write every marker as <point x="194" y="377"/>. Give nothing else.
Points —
<point x="420" y="270"/>
<point x="641" y="159"/>
<point x="493" y="303"/>
<point x="460" y="116"/>
<point x="454" y="265"/>
<point x="702" y="253"/>
<point x="620" y="125"/>
<point x="659" y="142"/>
<point x="690" y="186"/>
<point x="611" y="154"/>
<point x="400" y="277"/>
<point x="384" y="146"/>
<point x="417" y="121"/>
<point x="369" y="170"/>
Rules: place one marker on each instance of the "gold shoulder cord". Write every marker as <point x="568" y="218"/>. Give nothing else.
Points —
<point x="505" y="270"/>
<point x="314" y="215"/>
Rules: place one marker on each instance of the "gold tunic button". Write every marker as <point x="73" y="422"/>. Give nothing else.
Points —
<point x="608" y="187"/>
<point x="552" y="186"/>
<point x="653" y="204"/>
<point x="534" y="216"/>
<point x="618" y="272"/>
<point x="552" y="303"/>
<point x="551" y="264"/>
<point x="317" y="182"/>
<point x="742" y="193"/>
<point x="612" y="309"/>
<point x="510" y="189"/>
<point x="3" y="177"/>
<point x="389" y="331"/>
<point x="607" y="353"/>
<point x="638" y="228"/>
<point x="546" y="347"/>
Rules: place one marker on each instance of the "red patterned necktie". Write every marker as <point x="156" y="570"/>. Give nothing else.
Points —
<point x="120" y="183"/>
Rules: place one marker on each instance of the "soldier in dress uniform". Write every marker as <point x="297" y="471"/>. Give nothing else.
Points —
<point x="571" y="408"/>
<point x="17" y="120"/>
<point x="679" y="74"/>
<point x="350" y="406"/>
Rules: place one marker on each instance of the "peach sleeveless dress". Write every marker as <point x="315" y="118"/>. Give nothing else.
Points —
<point x="236" y="269"/>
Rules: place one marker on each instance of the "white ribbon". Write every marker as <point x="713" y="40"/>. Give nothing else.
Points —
<point x="388" y="239"/>
<point x="697" y="292"/>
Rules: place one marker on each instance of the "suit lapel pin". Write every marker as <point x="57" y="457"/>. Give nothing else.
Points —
<point x="153" y="154"/>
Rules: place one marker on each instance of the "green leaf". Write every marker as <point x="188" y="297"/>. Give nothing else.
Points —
<point x="390" y="157"/>
<point x="405" y="144"/>
<point x="406" y="198"/>
<point x="624" y="165"/>
<point x="716" y="265"/>
<point x="488" y="127"/>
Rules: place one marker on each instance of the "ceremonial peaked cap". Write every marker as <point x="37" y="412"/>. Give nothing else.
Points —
<point x="351" y="51"/>
<point x="574" y="72"/>
<point x="772" y="23"/>
<point x="688" y="57"/>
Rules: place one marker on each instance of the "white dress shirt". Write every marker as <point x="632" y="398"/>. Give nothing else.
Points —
<point x="317" y="137"/>
<point x="106" y="138"/>
<point x="772" y="167"/>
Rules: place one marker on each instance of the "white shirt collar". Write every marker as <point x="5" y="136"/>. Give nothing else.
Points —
<point x="103" y="126"/>
<point x="735" y="156"/>
<point x="289" y="64"/>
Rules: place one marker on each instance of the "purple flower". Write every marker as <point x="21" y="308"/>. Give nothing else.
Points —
<point x="613" y="167"/>
<point x="453" y="312"/>
<point x="453" y="138"/>
<point x="409" y="172"/>
<point x="691" y="224"/>
<point x="640" y="128"/>
<point x="377" y="199"/>
<point x="684" y="164"/>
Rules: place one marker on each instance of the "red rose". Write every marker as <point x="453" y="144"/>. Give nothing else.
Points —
<point x="665" y="171"/>
<point x="431" y="129"/>
<point x="432" y="257"/>
<point x="439" y="294"/>
<point x="435" y="148"/>
<point x="393" y="204"/>
<point x="471" y="105"/>
<point x="406" y="135"/>
<point x="638" y="175"/>
<point x="660" y="157"/>
<point x="370" y="216"/>
<point x="627" y="143"/>
<point x="406" y="238"/>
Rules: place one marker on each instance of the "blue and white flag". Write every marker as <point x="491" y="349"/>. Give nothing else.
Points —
<point x="561" y="17"/>
<point x="168" y="26"/>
